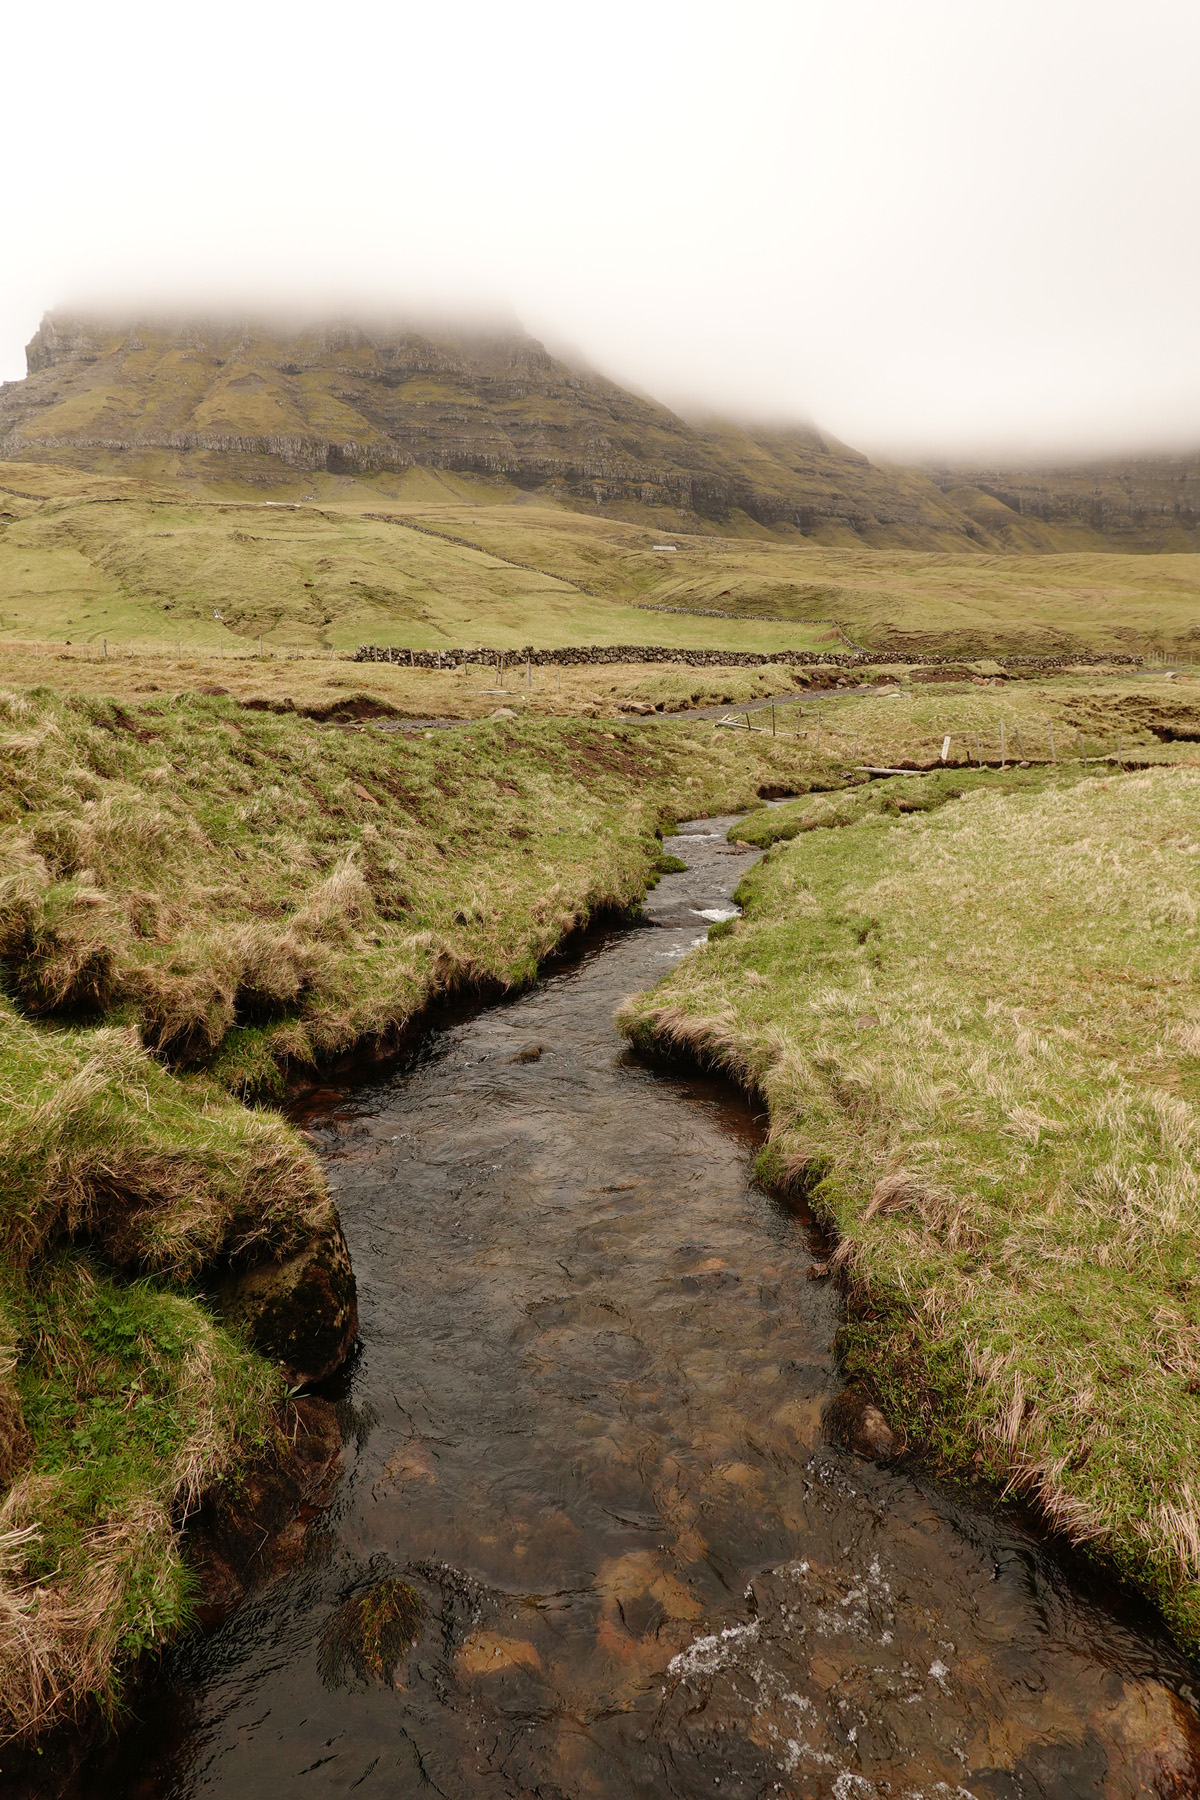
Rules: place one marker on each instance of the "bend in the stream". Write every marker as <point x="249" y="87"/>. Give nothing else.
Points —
<point x="587" y="1437"/>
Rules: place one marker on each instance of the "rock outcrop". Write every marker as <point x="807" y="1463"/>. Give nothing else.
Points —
<point x="301" y="1311"/>
<point x="1122" y="503"/>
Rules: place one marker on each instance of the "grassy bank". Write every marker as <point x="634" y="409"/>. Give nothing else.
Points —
<point x="196" y="900"/>
<point x="977" y="1031"/>
<point x="874" y="715"/>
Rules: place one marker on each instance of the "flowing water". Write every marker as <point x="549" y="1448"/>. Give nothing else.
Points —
<point x="586" y="1427"/>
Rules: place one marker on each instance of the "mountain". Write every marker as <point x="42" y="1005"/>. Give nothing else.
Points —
<point x="269" y="406"/>
<point x="264" y="405"/>
<point x="1130" y="503"/>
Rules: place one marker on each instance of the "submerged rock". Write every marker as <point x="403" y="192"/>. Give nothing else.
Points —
<point x="873" y="1436"/>
<point x="860" y="1424"/>
<point x="303" y="1311"/>
<point x="255" y="1523"/>
<point x="370" y="1633"/>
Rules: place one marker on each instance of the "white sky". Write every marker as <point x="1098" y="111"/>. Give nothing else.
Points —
<point x="931" y="225"/>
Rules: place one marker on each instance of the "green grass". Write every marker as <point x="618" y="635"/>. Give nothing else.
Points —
<point x="136" y="1403"/>
<point x="830" y="805"/>
<point x="342" y="690"/>
<point x="272" y="890"/>
<point x="976" y="1031"/>
<point x="121" y="1398"/>
<point x="432" y="561"/>
<point x="1143" y="715"/>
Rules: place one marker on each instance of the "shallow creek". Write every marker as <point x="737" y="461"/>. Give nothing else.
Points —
<point x="585" y="1424"/>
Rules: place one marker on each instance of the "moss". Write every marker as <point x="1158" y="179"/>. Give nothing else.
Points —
<point x="370" y="1634"/>
<point x="302" y="1312"/>
<point x="133" y="1398"/>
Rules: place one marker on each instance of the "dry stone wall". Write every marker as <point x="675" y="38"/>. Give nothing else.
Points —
<point x="598" y="654"/>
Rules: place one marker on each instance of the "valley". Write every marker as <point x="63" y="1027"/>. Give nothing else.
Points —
<point x="542" y="1177"/>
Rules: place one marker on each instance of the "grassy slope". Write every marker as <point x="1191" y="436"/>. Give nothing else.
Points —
<point x="87" y="557"/>
<point x="977" y="1032"/>
<point x="242" y="892"/>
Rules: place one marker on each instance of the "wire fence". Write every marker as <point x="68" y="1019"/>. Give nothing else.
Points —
<point x="1009" y="746"/>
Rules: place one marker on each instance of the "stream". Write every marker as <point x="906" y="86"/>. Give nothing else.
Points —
<point x="585" y="1424"/>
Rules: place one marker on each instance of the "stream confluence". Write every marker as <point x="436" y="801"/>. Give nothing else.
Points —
<point x="585" y="1424"/>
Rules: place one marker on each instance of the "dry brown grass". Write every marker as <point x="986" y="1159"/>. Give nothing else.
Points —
<point x="326" y="688"/>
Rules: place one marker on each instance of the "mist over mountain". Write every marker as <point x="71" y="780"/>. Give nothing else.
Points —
<point x="267" y="403"/>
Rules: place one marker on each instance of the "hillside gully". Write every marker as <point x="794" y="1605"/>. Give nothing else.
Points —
<point x="586" y="1427"/>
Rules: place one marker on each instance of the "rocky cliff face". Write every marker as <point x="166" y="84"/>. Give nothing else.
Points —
<point x="1131" y="503"/>
<point x="352" y="399"/>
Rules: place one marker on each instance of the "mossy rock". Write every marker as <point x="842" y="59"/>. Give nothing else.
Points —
<point x="370" y="1634"/>
<point x="302" y="1312"/>
<point x="671" y="865"/>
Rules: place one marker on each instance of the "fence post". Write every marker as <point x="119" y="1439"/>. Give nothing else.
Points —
<point x="1002" y="743"/>
<point x="1053" y="758"/>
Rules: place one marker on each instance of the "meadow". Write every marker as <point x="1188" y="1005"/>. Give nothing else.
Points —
<point x="437" y="562"/>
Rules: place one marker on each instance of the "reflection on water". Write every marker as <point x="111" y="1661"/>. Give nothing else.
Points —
<point x="586" y="1452"/>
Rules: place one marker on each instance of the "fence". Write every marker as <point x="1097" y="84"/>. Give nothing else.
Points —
<point x="976" y="747"/>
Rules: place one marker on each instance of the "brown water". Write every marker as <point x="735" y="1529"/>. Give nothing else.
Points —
<point x="586" y="1426"/>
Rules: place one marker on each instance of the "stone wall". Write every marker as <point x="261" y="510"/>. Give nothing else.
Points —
<point x="576" y="654"/>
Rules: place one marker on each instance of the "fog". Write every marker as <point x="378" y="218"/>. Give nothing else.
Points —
<point x="938" y="228"/>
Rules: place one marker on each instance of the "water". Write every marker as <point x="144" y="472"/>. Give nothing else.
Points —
<point x="585" y="1424"/>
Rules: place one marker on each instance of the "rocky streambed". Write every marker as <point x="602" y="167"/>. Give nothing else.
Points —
<point x="594" y="1535"/>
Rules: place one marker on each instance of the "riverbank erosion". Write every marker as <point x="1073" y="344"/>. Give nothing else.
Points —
<point x="974" y="1021"/>
<point x="198" y="906"/>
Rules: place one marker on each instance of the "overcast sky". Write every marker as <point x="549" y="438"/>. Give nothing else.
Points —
<point x="930" y="225"/>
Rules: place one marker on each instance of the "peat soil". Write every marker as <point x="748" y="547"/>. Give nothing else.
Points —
<point x="586" y="1433"/>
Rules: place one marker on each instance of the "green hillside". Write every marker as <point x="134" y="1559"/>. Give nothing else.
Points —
<point x="442" y="562"/>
